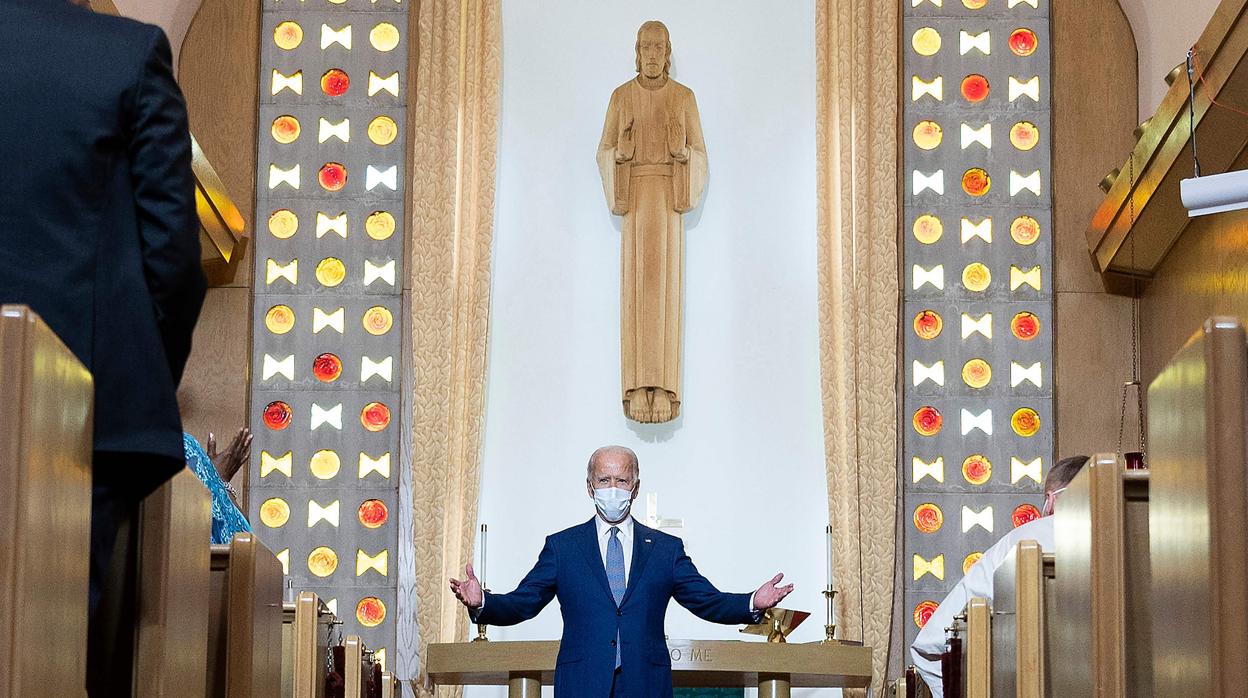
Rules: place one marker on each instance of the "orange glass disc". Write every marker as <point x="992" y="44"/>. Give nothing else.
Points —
<point x="373" y="513"/>
<point x="335" y="82"/>
<point x="375" y="416"/>
<point x="976" y="469"/>
<point x="324" y="464"/>
<point x="283" y="223"/>
<point x="928" y="134"/>
<point x="923" y="612"/>
<point x="274" y="512"/>
<point x="1025" y="421"/>
<point x="280" y="319"/>
<point x="277" y="415"/>
<point x="1024" y="513"/>
<point x="976" y="373"/>
<point x="1024" y="135"/>
<point x="975" y="88"/>
<point x="322" y="561"/>
<point x="327" y="367"/>
<point x="382" y="130"/>
<point x="379" y="225"/>
<point x="927" y="420"/>
<point x="287" y="35"/>
<point x="928" y="517"/>
<point x="285" y="129"/>
<point x="976" y="181"/>
<point x="969" y="561"/>
<point x="332" y="176"/>
<point x="370" y="611"/>
<point x="927" y="324"/>
<point x="928" y="229"/>
<point x="1025" y="230"/>
<point x="1023" y="42"/>
<point x="1025" y="326"/>
<point x="976" y="277"/>
<point x="377" y="320"/>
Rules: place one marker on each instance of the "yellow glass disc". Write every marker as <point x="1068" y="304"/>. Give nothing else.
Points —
<point x="1025" y="421"/>
<point x="976" y="373"/>
<point x="280" y="319"/>
<point x="283" y="223"/>
<point x="274" y="512"/>
<point x="926" y="41"/>
<point x="1025" y="230"/>
<point x="928" y="135"/>
<point x="976" y="277"/>
<point x="974" y="4"/>
<point x="928" y="229"/>
<point x="379" y="225"/>
<point x="382" y="130"/>
<point x="969" y="561"/>
<point x="288" y="35"/>
<point x="384" y="37"/>
<point x="331" y="271"/>
<point x="377" y="320"/>
<point x="1024" y="135"/>
<point x="285" y="129"/>
<point x="325" y="464"/>
<point x="322" y="561"/>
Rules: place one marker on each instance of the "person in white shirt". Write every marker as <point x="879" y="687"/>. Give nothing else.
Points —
<point x="930" y="643"/>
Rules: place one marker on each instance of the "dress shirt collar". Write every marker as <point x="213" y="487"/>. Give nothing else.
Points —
<point x="604" y="528"/>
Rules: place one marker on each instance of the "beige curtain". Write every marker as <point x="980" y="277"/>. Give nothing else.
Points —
<point x="856" y="132"/>
<point x="455" y="137"/>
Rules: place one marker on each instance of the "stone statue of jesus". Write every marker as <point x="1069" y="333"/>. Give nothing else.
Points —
<point x="653" y="165"/>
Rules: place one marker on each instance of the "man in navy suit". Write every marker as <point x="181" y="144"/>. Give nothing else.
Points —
<point x="99" y="235"/>
<point x="614" y="578"/>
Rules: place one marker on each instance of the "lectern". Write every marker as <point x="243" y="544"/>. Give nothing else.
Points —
<point x="773" y="667"/>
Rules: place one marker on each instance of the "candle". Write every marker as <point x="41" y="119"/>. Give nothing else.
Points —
<point x="481" y="577"/>
<point x="829" y="540"/>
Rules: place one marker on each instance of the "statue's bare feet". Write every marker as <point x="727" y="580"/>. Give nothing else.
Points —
<point x="661" y="405"/>
<point x="637" y="405"/>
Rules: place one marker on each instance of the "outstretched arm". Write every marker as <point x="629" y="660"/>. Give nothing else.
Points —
<point x="529" y="598"/>
<point x="696" y="593"/>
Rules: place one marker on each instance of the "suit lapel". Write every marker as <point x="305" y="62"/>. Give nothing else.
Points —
<point x="593" y="557"/>
<point x="642" y="545"/>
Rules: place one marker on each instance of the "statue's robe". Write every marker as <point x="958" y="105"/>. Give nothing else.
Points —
<point x="651" y="191"/>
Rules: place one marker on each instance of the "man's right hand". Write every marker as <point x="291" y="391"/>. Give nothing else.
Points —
<point x="469" y="590"/>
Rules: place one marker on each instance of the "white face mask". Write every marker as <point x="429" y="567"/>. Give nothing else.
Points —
<point x="613" y="503"/>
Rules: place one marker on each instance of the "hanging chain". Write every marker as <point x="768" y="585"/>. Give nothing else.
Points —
<point x="1135" y="329"/>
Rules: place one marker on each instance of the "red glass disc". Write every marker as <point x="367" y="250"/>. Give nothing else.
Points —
<point x="375" y="416"/>
<point x="923" y="612"/>
<point x="976" y="469"/>
<point x="373" y="513"/>
<point x="335" y="82"/>
<point x="928" y="518"/>
<point x="332" y="176"/>
<point x="927" y="324"/>
<point x="975" y="88"/>
<point x="277" y="415"/>
<point x="1025" y="326"/>
<point x="1024" y="513"/>
<point x="1023" y="42"/>
<point x="327" y="367"/>
<point x="370" y="611"/>
<point x="927" y="421"/>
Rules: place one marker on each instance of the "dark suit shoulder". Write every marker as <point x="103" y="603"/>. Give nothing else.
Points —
<point x="571" y="532"/>
<point x="71" y="24"/>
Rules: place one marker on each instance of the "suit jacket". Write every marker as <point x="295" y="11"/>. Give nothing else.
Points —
<point x="570" y="567"/>
<point x="98" y="228"/>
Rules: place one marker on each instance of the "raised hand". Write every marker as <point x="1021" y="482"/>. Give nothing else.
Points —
<point x="469" y="591"/>
<point x="235" y="455"/>
<point x="676" y="144"/>
<point x="768" y="595"/>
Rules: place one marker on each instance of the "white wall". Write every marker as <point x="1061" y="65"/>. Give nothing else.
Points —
<point x="1164" y="30"/>
<point x="744" y="467"/>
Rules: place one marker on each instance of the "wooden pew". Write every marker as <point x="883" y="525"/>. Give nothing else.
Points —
<point x="1099" y="635"/>
<point x="1198" y="413"/>
<point x="979" y="648"/>
<point x="175" y="526"/>
<point x="45" y="502"/>
<point x="1019" y="623"/>
<point x="306" y="628"/>
<point x="362" y="674"/>
<point x="245" y="630"/>
<point x="390" y="686"/>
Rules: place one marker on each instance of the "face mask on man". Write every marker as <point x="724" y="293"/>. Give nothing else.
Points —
<point x="613" y="503"/>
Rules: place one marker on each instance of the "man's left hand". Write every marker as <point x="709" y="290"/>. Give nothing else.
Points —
<point x="768" y="595"/>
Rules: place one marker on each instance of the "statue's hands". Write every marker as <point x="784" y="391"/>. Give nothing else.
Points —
<point x="676" y="144"/>
<point x="469" y="591"/>
<point x="768" y="595"/>
<point x="626" y="146"/>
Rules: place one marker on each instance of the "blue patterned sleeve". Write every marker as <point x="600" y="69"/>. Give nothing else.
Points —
<point x="226" y="518"/>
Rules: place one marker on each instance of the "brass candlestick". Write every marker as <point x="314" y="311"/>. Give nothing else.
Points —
<point x="829" y="630"/>
<point x="482" y="626"/>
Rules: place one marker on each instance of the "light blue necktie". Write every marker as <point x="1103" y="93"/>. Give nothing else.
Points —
<point x="615" y="577"/>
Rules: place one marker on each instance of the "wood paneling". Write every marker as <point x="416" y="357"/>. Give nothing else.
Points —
<point x="1093" y="360"/>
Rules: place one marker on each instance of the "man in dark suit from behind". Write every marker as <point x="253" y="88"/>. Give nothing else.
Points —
<point x="99" y="235"/>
